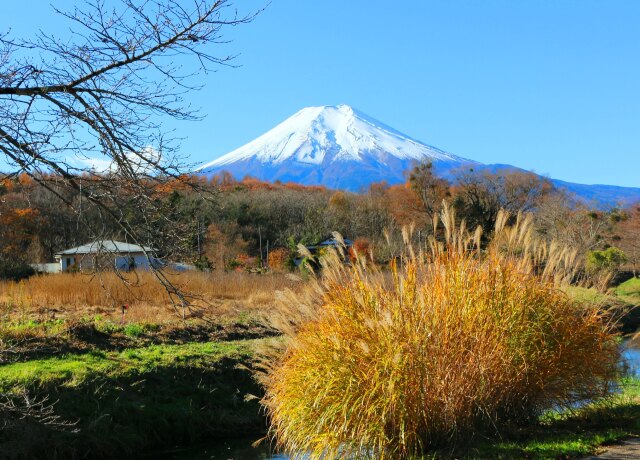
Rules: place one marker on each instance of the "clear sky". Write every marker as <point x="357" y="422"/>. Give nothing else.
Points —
<point x="552" y="86"/>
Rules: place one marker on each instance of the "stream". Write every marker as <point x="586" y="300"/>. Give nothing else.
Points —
<point x="631" y="358"/>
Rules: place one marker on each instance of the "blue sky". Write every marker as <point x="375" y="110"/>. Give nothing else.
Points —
<point x="552" y="86"/>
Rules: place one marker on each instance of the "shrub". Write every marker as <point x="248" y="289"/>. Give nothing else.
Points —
<point x="242" y="262"/>
<point x="603" y="265"/>
<point x="449" y="343"/>
<point x="281" y="259"/>
<point x="203" y="264"/>
<point x="15" y="270"/>
<point x="608" y="259"/>
<point x="361" y="247"/>
<point x="133" y="330"/>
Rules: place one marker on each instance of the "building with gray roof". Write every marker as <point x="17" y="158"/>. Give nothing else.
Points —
<point x="107" y="254"/>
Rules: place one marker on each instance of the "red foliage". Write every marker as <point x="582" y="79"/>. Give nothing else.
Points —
<point x="278" y="258"/>
<point x="362" y="247"/>
<point x="404" y="204"/>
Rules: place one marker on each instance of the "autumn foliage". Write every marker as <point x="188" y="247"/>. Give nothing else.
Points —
<point x="210" y="222"/>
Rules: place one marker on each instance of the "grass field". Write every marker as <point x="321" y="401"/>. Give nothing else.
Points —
<point x="76" y="295"/>
<point x="564" y="436"/>
<point x="149" y="381"/>
<point x="157" y="396"/>
<point x="629" y="291"/>
<point x="622" y="302"/>
<point x="572" y="435"/>
<point x="156" y="381"/>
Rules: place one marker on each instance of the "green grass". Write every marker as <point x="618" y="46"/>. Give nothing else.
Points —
<point x="159" y="396"/>
<point x="75" y="370"/>
<point x="165" y="395"/>
<point x="132" y="330"/>
<point x="582" y="433"/>
<point x="30" y="328"/>
<point x="566" y="435"/>
<point x="32" y="339"/>
<point x="620" y="301"/>
<point x="587" y="296"/>
<point x="18" y="330"/>
<point x="136" y="399"/>
<point x="554" y="447"/>
<point x="629" y="291"/>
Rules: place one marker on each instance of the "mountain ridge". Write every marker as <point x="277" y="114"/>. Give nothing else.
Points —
<point x="342" y="148"/>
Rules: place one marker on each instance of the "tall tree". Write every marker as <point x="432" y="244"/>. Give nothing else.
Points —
<point x="104" y="91"/>
<point x="429" y="188"/>
<point x="479" y="196"/>
<point x="628" y="232"/>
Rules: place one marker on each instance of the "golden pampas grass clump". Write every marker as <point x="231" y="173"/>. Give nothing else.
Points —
<point x="452" y="340"/>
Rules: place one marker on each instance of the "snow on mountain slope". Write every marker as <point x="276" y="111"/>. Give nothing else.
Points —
<point x="322" y="135"/>
<point x="341" y="148"/>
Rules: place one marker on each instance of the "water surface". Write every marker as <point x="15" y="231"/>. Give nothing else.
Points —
<point x="631" y="358"/>
<point x="230" y="449"/>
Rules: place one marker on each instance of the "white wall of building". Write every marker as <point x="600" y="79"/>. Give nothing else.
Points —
<point x="120" y="262"/>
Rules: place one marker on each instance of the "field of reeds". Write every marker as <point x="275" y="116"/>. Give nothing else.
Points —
<point x="78" y="295"/>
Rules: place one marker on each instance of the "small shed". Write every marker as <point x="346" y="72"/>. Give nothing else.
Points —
<point x="330" y="242"/>
<point x="107" y="254"/>
<point x="325" y="243"/>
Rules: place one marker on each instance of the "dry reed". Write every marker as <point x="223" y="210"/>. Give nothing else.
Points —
<point x="77" y="294"/>
<point x="456" y="340"/>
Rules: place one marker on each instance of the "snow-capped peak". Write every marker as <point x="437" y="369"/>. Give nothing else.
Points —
<point x="341" y="148"/>
<point x="329" y="134"/>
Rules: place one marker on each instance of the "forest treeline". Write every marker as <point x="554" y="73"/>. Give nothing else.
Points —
<point x="223" y="223"/>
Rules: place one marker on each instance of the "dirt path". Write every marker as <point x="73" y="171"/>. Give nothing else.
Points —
<point x="627" y="449"/>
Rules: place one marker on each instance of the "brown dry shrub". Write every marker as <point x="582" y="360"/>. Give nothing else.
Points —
<point x="278" y="258"/>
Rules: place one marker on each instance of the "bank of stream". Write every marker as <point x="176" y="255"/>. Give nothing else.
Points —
<point x="242" y="448"/>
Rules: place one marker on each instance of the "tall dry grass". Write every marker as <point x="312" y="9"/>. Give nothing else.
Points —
<point x="77" y="294"/>
<point x="457" y="340"/>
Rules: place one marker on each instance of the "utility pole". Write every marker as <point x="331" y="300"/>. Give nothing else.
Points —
<point x="260" y="239"/>
<point x="198" y="231"/>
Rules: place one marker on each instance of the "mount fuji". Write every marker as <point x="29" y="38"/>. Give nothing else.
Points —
<point x="334" y="146"/>
<point x="342" y="148"/>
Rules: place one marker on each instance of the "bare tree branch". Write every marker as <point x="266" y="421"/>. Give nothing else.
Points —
<point x="104" y="91"/>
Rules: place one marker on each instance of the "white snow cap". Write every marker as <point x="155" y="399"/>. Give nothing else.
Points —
<point x="331" y="133"/>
